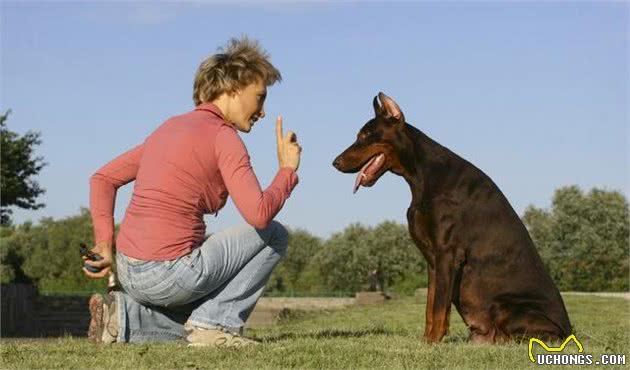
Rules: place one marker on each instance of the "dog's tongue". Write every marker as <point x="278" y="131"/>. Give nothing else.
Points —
<point x="365" y="169"/>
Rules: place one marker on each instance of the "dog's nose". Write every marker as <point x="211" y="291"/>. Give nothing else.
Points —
<point x="336" y="163"/>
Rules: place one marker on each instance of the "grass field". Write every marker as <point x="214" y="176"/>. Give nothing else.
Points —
<point x="383" y="336"/>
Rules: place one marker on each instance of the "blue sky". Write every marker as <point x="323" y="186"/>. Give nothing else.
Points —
<point x="533" y="93"/>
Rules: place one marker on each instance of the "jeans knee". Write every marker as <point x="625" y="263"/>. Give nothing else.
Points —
<point x="279" y="238"/>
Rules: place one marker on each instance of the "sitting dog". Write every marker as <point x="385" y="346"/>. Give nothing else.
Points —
<point x="480" y="256"/>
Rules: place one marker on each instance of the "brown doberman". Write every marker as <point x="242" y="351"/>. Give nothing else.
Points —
<point x="480" y="256"/>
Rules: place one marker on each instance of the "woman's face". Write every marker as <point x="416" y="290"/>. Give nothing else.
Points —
<point x="247" y="106"/>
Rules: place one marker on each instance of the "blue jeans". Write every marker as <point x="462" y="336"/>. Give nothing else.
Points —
<point x="215" y="286"/>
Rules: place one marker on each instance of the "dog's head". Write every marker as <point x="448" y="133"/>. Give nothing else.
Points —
<point x="377" y="147"/>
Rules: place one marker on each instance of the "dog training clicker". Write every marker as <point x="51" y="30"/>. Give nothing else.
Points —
<point x="91" y="256"/>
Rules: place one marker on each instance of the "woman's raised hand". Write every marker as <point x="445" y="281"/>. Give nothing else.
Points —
<point x="289" y="151"/>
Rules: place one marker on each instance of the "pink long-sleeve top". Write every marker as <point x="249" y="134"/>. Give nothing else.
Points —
<point x="183" y="170"/>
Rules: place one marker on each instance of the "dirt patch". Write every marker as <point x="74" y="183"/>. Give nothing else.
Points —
<point x="270" y="309"/>
<point x="305" y="303"/>
<point x="624" y="295"/>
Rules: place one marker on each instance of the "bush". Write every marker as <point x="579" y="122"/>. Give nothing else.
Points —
<point x="348" y="257"/>
<point x="583" y="239"/>
<point x="295" y="273"/>
<point x="47" y="254"/>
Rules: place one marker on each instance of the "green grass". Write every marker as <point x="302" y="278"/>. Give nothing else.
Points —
<point x="383" y="336"/>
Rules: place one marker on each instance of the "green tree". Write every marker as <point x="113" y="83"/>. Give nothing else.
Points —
<point x="343" y="261"/>
<point x="289" y="275"/>
<point x="583" y="239"/>
<point x="47" y="254"/>
<point x="7" y="257"/>
<point x="398" y="258"/>
<point x="18" y="167"/>
<point x="347" y="257"/>
<point x="54" y="261"/>
<point x="12" y="254"/>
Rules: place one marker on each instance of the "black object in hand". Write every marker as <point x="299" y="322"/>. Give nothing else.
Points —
<point x="91" y="256"/>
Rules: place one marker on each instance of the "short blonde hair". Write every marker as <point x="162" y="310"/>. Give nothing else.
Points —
<point x="240" y="63"/>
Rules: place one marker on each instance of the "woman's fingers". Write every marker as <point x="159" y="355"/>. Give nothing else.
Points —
<point x="98" y="264"/>
<point x="97" y="275"/>
<point x="291" y="137"/>
<point x="288" y="148"/>
<point x="279" y="129"/>
<point x="104" y="264"/>
<point x="292" y="140"/>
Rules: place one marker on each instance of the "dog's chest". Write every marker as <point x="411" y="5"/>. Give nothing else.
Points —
<point x="419" y="225"/>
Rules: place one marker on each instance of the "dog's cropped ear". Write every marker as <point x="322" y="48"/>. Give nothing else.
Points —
<point x="378" y="110"/>
<point x="390" y="108"/>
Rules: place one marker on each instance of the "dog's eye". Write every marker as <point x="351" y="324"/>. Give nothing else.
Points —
<point x="365" y="135"/>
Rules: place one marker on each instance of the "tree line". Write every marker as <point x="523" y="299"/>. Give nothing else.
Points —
<point x="582" y="239"/>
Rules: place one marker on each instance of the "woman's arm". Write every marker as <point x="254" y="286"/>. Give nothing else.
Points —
<point x="257" y="207"/>
<point x="103" y="186"/>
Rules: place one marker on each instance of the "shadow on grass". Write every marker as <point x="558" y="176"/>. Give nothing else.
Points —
<point x="456" y="339"/>
<point x="330" y="333"/>
<point x="349" y="334"/>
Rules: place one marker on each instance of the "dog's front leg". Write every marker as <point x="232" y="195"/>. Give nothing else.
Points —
<point x="444" y="278"/>
<point x="430" y="301"/>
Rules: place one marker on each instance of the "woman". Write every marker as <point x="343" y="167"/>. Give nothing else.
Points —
<point x="176" y="284"/>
